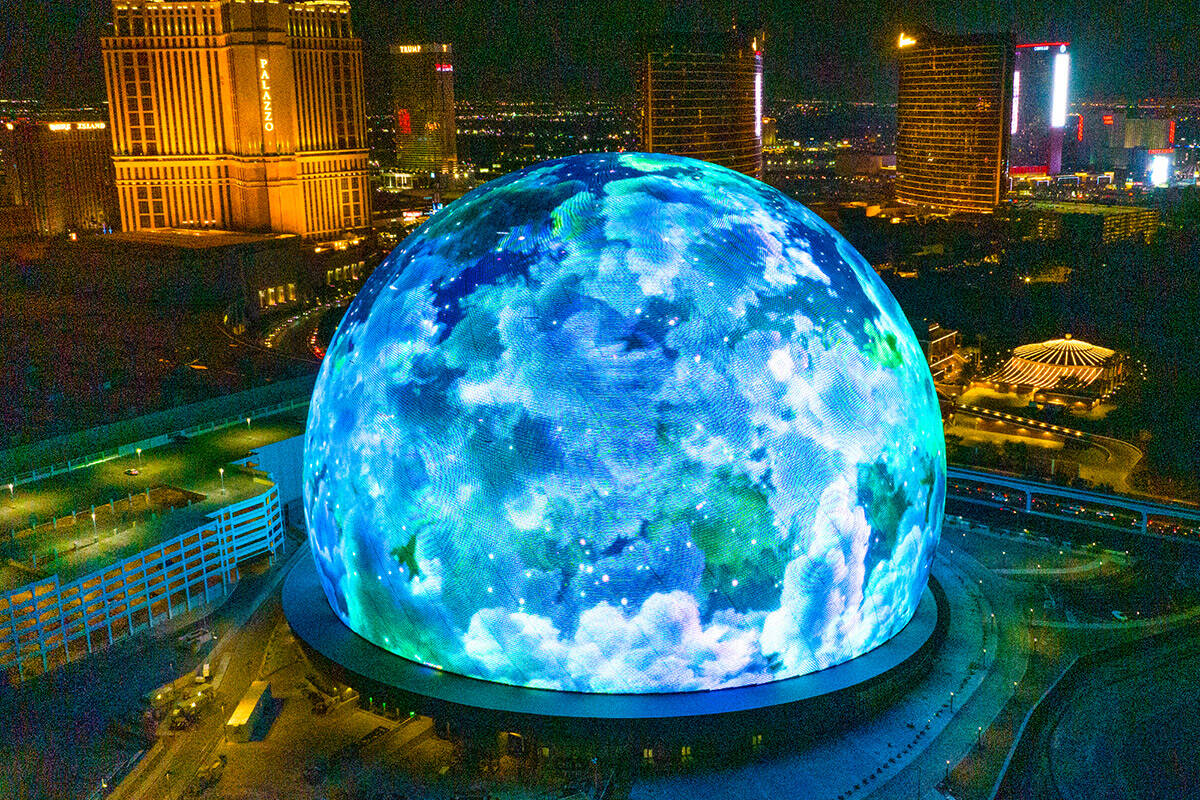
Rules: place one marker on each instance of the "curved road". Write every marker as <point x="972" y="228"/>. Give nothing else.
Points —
<point x="1109" y="742"/>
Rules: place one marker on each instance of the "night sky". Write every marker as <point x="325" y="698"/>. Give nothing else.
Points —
<point x="835" y="49"/>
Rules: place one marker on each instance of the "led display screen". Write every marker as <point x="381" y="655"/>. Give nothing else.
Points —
<point x="624" y="423"/>
<point x="1160" y="170"/>
<point x="1058" y="101"/>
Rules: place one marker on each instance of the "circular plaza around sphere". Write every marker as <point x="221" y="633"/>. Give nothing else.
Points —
<point x="624" y="423"/>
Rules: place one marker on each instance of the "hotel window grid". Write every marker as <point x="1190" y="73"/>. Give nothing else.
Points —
<point x="953" y="108"/>
<point x="703" y="102"/>
<point x="184" y="98"/>
<point x="423" y="109"/>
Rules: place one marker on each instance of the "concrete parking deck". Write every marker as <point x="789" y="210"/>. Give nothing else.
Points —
<point x="125" y="523"/>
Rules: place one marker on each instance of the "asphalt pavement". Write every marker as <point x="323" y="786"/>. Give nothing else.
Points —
<point x="171" y="765"/>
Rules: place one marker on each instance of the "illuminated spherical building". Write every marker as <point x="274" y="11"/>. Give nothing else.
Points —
<point x="624" y="423"/>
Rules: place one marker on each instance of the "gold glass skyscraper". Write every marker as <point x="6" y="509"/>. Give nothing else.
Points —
<point x="702" y="97"/>
<point x="62" y="171"/>
<point x="955" y="98"/>
<point x="423" y="105"/>
<point x="238" y="115"/>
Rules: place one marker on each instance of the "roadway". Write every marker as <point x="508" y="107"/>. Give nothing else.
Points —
<point x="171" y="765"/>
<point x="901" y="751"/>
<point x="972" y="721"/>
<point x="993" y="662"/>
<point x="1103" y="459"/>
<point x="1109" y="743"/>
<point x="66" y="730"/>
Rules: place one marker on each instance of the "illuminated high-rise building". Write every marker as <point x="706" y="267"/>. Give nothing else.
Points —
<point x="244" y="116"/>
<point x="423" y="105"/>
<point x="954" y="104"/>
<point x="62" y="172"/>
<point x="1133" y="144"/>
<point x="702" y="97"/>
<point x="1038" y="121"/>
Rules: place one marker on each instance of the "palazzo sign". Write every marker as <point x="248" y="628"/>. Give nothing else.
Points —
<point x="264" y="85"/>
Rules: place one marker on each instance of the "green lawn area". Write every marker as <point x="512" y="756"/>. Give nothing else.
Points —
<point x="193" y="465"/>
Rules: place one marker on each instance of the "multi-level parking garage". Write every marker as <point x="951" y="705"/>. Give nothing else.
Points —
<point x="132" y="543"/>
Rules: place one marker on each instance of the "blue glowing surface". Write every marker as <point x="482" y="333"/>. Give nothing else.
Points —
<point x="624" y="423"/>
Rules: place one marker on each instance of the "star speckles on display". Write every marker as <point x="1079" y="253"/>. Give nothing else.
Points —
<point x="624" y="423"/>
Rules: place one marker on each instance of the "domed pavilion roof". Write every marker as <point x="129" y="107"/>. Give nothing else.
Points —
<point x="1055" y="363"/>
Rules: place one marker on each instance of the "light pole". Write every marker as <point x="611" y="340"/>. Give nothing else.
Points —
<point x="94" y="532"/>
<point x="10" y="491"/>
<point x="222" y="471"/>
<point x="247" y="423"/>
<point x="139" y="452"/>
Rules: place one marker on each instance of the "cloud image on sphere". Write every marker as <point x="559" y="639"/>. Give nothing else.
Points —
<point x="624" y="423"/>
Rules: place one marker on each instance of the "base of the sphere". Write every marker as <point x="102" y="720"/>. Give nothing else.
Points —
<point x="807" y="704"/>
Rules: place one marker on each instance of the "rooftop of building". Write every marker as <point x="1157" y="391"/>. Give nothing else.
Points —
<point x="1067" y="352"/>
<point x="185" y="482"/>
<point x="1066" y="365"/>
<point x="196" y="239"/>
<point x="1062" y="207"/>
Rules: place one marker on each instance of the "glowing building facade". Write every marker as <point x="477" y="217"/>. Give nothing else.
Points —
<point x="238" y="115"/>
<point x="62" y="172"/>
<point x="1133" y="145"/>
<point x="423" y="108"/>
<point x="702" y="97"/>
<point x="1038" y="121"/>
<point x="1063" y="371"/>
<point x="953" y="114"/>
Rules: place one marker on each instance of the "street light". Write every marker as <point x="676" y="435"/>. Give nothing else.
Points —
<point x="139" y="452"/>
<point x="222" y="471"/>
<point x="10" y="491"/>
<point x="94" y="532"/>
<point x="247" y="423"/>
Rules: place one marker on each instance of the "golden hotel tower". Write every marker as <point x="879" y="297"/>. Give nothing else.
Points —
<point x="238" y="115"/>
<point x="951" y="140"/>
